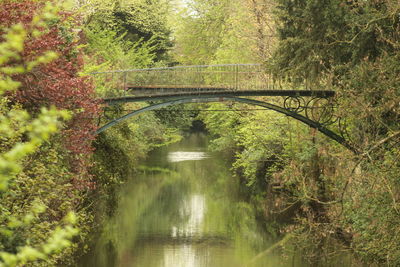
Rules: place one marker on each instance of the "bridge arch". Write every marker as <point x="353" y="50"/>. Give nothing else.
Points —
<point x="199" y="99"/>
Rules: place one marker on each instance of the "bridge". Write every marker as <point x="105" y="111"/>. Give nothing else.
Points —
<point x="166" y="86"/>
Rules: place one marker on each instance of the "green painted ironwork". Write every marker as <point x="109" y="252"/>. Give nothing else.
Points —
<point x="201" y="99"/>
<point x="170" y="96"/>
<point x="214" y="83"/>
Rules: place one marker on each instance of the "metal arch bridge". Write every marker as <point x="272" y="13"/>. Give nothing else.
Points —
<point x="215" y="83"/>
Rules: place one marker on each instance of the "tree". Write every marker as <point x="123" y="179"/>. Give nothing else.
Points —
<point x="220" y="32"/>
<point x="137" y="22"/>
<point x="200" y="30"/>
<point x="352" y="47"/>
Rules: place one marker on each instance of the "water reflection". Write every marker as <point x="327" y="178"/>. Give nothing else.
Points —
<point x="188" y="215"/>
<point x="184" y="256"/>
<point x="183" y="156"/>
<point x="194" y="210"/>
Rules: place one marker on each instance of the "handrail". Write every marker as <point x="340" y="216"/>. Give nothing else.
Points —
<point x="175" y="67"/>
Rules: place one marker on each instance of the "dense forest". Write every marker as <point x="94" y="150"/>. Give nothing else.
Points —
<point x="54" y="170"/>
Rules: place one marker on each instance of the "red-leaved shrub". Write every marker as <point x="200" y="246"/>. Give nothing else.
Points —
<point x="56" y="83"/>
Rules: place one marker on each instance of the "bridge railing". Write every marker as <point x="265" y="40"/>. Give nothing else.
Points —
<point x="225" y="77"/>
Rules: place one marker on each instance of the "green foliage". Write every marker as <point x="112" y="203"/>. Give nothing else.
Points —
<point x="262" y="137"/>
<point x="209" y="31"/>
<point x="177" y="116"/>
<point x="320" y="41"/>
<point x="352" y="47"/>
<point x="200" y="31"/>
<point x="112" y="50"/>
<point x="130" y="141"/>
<point x="372" y="210"/>
<point x="134" y="21"/>
<point x="108" y="50"/>
<point x="37" y="131"/>
<point x="259" y="142"/>
<point x="221" y="127"/>
<point x="21" y="138"/>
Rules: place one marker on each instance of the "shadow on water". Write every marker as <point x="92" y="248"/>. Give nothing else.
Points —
<point x="183" y="210"/>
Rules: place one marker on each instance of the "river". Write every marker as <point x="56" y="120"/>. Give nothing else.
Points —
<point x="184" y="210"/>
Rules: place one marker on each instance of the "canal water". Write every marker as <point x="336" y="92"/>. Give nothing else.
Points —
<point x="184" y="210"/>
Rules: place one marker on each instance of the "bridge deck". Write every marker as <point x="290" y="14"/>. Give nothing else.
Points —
<point x="195" y="92"/>
<point x="188" y="81"/>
